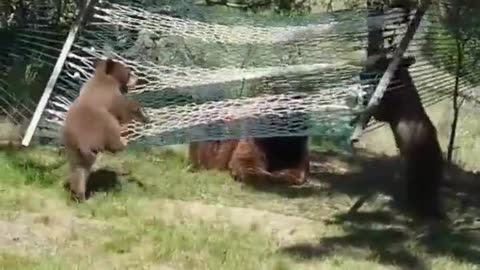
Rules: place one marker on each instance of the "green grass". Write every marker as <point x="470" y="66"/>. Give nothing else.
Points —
<point x="20" y="262"/>
<point x="164" y="216"/>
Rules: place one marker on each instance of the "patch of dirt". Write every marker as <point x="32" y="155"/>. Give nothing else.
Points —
<point x="285" y="229"/>
<point x="161" y="267"/>
<point x="23" y="239"/>
<point x="40" y="234"/>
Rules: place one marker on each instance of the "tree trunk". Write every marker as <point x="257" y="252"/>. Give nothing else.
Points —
<point x="456" y="104"/>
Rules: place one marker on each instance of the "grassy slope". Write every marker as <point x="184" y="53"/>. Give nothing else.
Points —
<point x="165" y="217"/>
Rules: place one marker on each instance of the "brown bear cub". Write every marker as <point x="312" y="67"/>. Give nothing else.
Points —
<point x="416" y="138"/>
<point x="93" y="122"/>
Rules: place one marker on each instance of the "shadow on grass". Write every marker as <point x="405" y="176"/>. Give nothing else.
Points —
<point x="389" y="236"/>
<point x="392" y="240"/>
<point x="108" y="181"/>
<point x="41" y="168"/>
<point x="378" y="241"/>
<point x="334" y="173"/>
<point x="103" y="180"/>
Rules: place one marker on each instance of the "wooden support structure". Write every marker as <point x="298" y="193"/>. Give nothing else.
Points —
<point x="382" y="86"/>
<point x="375" y="48"/>
<point x="375" y="52"/>
<point x="56" y="73"/>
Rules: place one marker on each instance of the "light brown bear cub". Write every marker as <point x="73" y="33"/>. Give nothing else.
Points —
<point x="93" y="122"/>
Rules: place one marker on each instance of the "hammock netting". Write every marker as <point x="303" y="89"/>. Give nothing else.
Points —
<point x="205" y="76"/>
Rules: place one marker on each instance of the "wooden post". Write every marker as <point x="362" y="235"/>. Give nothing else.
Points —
<point x="375" y="26"/>
<point x="55" y="73"/>
<point x="375" y="46"/>
<point x="387" y="76"/>
<point x="382" y="86"/>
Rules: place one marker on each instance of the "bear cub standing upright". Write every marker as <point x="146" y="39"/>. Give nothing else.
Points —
<point x="93" y="122"/>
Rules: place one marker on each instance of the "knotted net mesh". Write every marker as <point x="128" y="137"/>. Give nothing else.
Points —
<point x="206" y="77"/>
<point x="268" y="81"/>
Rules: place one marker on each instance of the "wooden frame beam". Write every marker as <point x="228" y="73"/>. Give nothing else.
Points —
<point x="382" y="86"/>
<point x="55" y="74"/>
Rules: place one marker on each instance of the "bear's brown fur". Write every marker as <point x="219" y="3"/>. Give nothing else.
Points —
<point x="126" y="110"/>
<point x="93" y="122"/>
<point x="416" y="138"/>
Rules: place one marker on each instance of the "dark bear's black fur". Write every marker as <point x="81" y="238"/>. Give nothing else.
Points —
<point x="416" y="138"/>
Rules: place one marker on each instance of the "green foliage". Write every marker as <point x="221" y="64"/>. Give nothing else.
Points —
<point x="50" y="12"/>
<point x="27" y="80"/>
<point x="26" y="71"/>
<point x="278" y="6"/>
<point x="456" y="32"/>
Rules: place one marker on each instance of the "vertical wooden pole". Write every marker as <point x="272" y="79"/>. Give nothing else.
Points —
<point x="375" y="26"/>
<point x="383" y="84"/>
<point x="375" y="51"/>
<point x="388" y="74"/>
<point x="55" y="74"/>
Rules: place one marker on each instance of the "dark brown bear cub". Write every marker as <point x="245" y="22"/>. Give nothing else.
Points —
<point x="93" y="122"/>
<point x="416" y="138"/>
